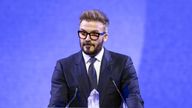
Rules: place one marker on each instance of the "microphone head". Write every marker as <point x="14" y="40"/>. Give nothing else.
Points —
<point x="76" y="89"/>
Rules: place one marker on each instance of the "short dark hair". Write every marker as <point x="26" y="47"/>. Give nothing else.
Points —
<point x="94" y="15"/>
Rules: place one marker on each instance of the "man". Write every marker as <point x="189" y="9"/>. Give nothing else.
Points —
<point x="112" y="75"/>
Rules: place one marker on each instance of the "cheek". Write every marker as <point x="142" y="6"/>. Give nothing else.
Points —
<point x="81" y="42"/>
<point x="97" y="45"/>
<point x="100" y="41"/>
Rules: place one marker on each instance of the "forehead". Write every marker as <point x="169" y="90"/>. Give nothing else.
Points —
<point x="92" y="26"/>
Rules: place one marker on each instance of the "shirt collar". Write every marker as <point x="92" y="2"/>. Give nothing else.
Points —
<point x="98" y="56"/>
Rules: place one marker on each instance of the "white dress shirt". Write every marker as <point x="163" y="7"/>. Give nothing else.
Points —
<point x="97" y="63"/>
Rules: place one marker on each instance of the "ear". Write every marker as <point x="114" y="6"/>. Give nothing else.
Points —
<point x="105" y="38"/>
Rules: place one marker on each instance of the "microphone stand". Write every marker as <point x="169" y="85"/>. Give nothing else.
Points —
<point x="67" y="106"/>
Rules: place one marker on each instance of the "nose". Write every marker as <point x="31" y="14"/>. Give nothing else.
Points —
<point x="88" y="38"/>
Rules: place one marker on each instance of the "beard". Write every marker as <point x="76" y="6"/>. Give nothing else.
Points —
<point x="91" y="48"/>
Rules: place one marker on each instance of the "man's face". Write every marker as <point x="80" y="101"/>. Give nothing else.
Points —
<point x="89" y="46"/>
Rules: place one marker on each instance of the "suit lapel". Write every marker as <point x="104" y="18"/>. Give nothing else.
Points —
<point x="105" y="73"/>
<point x="81" y="74"/>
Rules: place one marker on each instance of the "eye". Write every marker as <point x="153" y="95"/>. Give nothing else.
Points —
<point x="94" y="34"/>
<point x="83" y="33"/>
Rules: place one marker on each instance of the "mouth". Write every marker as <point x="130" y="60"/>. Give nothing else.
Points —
<point x="88" y="45"/>
<point x="88" y="48"/>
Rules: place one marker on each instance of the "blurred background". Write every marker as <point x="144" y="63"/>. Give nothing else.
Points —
<point x="157" y="34"/>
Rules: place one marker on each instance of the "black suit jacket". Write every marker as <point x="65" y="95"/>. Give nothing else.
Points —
<point x="70" y="73"/>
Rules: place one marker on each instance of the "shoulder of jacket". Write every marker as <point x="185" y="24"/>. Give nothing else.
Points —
<point x="69" y="58"/>
<point x="118" y="55"/>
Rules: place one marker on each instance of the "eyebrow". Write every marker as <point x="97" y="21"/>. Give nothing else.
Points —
<point x="91" y="31"/>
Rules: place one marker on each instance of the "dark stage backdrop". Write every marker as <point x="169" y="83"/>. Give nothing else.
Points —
<point x="34" y="34"/>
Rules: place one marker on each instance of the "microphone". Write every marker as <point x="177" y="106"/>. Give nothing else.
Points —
<point x="124" y="102"/>
<point x="67" y="106"/>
